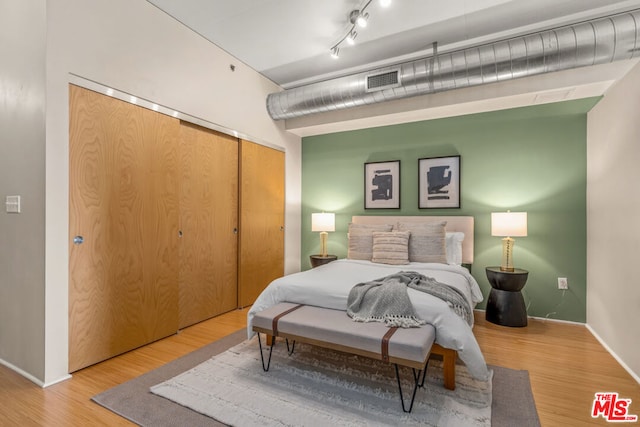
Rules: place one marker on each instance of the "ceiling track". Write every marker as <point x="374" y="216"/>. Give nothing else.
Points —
<point x="598" y="41"/>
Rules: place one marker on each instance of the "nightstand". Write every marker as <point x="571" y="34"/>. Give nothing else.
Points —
<point x="317" y="260"/>
<point x="506" y="305"/>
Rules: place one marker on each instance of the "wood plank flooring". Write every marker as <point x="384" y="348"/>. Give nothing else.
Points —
<point x="566" y="365"/>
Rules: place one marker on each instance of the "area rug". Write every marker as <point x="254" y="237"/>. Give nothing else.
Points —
<point x="509" y="403"/>
<point x="320" y="387"/>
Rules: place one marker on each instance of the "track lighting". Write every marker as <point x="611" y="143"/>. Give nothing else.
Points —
<point x="362" y="20"/>
<point x="351" y="38"/>
<point x="356" y="17"/>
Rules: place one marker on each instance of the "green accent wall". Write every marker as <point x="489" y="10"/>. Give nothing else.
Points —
<point x="529" y="159"/>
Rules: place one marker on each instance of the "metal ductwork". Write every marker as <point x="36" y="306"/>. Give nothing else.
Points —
<point x="598" y="41"/>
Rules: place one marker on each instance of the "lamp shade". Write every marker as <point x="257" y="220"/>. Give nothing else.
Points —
<point x="509" y="224"/>
<point x="323" y="222"/>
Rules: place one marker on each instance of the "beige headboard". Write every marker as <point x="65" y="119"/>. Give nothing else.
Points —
<point x="454" y="223"/>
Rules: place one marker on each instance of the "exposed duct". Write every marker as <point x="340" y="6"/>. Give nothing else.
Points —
<point x="598" y="41"/>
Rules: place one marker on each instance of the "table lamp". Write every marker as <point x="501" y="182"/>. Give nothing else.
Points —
<point x="323" y="222"/>
<point x="508" y="224"/>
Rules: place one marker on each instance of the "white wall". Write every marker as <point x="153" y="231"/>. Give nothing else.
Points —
<point x="22" y="145"/>
<point x="134" y="47"/>
<point x="613" y="220"/>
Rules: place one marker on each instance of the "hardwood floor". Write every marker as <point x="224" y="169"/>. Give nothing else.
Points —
<point x="566" y="365"/>
<point x="68" y="403"/>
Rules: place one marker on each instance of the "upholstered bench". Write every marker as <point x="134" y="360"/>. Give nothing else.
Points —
<point x="334" y="329"/>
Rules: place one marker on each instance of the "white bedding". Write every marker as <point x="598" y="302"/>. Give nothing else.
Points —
<point x="329" y="285"/>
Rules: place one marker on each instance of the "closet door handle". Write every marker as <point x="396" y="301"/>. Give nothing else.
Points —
<point x="281" y="228"/>
<point x="78" y="240"/>
<point x="235" y="231"/>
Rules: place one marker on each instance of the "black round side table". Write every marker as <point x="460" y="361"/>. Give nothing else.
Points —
<point x="506" y="305"/>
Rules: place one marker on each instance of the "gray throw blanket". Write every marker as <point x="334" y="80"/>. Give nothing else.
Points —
<point x="386" y="299"/>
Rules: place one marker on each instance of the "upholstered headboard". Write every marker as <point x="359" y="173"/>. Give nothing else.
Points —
<point x="454" y="223"/>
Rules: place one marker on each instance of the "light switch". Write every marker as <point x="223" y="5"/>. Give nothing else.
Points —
<point x="12" y="204"/>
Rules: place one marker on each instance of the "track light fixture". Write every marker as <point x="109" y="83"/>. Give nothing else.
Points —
<point x="357" y="17"/>
<point x="351" y="38"/>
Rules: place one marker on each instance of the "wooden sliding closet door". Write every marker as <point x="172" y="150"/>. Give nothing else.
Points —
<point x="261" y="251"/>
<point x="208" y="222"/>
<point x="123" y="218"/>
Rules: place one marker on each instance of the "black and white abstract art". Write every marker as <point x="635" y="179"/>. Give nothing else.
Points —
<point x="439" y="182"/>
<point x="382" y="185"/>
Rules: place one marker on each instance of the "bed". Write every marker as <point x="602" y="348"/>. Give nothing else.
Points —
<point x="329" y="285"/>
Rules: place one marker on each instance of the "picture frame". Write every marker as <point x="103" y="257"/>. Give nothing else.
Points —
<point x="382" y="185"/>
<point x="439" y="182"/>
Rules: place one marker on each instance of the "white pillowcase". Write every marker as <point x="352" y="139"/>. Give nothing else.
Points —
<point x="453" y="244"/>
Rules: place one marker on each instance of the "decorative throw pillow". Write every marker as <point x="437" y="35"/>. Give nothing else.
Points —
<point x="361" y="240"/>
<point x="391" y="247"/>
<point x="454" y="247"/>
<point x="427" y="242"/>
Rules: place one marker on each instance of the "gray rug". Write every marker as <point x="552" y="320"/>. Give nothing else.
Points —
<point x="512" y="400"/>
<point x="318" y="387"/>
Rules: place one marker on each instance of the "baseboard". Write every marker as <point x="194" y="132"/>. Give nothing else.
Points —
<point x="59" y="380"/>
<point x="22" y="372"/>
<point x="544" y="319"/>
<point x="30" y="377"/>
<point x="548" y="319"/>
<point x="613" y="353"/>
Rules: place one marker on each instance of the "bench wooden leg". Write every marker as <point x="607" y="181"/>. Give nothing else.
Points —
<point x="449" y="358"/>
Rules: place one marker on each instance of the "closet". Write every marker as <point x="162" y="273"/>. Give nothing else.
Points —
<point x="157" y="217"/>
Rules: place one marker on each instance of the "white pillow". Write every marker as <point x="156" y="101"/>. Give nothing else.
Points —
<point x="453" y="244"/>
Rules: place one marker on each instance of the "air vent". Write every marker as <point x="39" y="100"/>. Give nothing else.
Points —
<point x="383" y="81"/>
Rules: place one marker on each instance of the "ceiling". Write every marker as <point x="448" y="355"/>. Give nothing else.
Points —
<point x="289" y="41"/>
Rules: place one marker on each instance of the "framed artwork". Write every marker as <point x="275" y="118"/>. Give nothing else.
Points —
<point x="439" y="182"/>
<point x="382" y="185"/>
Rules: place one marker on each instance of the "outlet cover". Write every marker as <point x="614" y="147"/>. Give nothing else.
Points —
<point x="563" y="283"/>
<point x="12" y="204"/>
